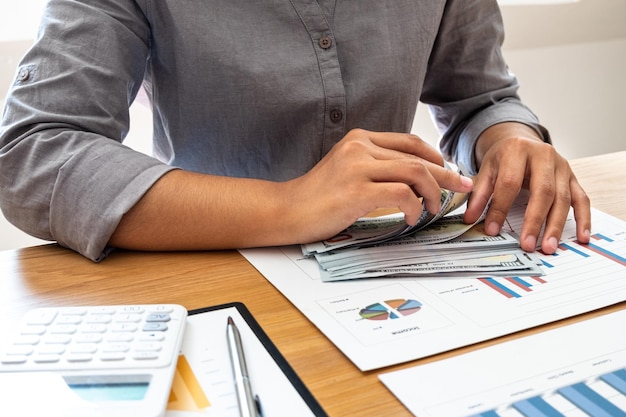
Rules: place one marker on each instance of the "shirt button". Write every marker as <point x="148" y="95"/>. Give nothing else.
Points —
<point x="336" y="115"/>
<point x="23" y="75"/>
<point x="326" y="42"/>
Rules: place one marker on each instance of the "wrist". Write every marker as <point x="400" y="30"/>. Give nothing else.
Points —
<point x="500" y="132"/>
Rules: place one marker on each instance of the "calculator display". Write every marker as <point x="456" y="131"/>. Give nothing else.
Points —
<point x="99" y="392"/>
<point x="105" y="388"/>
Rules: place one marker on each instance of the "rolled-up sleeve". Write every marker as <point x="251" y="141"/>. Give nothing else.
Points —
<point x="64" y="173"/>
<point x="468" y="85"/>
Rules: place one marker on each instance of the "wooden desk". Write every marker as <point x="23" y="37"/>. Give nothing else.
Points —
<point x="52" y="276"/>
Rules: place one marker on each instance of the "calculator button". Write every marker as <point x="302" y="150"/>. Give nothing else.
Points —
<point x="73" y="319"/>
<point x="148" y="336"/>
<point x="120" y="337"/>
<point x="116" y="347"/>
<point x="123" y="327"/>
<point x="94" y="328"/>
<point x="133" y="309"/>
<point x="128" y="318"/>
<point x="48" y="349"/>
<point x="158" y="317"/>
<point x="63" y="329"/>
<point x="112" y="356"/>
<point x="99" y="319"/>
<point x="14" y="359"/>
<point x="27" y="339"/>
<point x="155" y="327"/>
<point x="102" y="310"/>
<point x="148" y="347"/>
<point x="78" y="357"/>
<point x="88" y="338"/>
<point x="46" y="358"/>
<point x="161" y="309"/>
<point x="57" y="339"/>
<point x="145" y="355"/>
<point x="43" y="317"/>
<point x="20" y="350"/>
<point x="73" y="311"/>
<point x="34" y="329"/>
<point x="84" y="348"/>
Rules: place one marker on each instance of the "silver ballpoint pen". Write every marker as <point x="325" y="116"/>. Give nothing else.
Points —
<point x="248" y="405"/>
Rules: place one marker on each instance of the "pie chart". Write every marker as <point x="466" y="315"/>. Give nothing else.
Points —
<point x="390" y="309"/>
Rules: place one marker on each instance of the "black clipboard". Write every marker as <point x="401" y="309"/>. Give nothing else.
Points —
<point x="272" y="350"/>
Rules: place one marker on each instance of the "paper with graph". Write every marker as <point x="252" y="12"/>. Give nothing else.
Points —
<point x="575" y="370"/>
<point x="381" y="322"/>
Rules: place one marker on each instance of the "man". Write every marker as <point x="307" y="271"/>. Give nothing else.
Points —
<point x="275" y="122"/>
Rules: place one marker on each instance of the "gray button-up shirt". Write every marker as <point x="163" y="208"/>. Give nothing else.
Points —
<point x="241" y="88"/>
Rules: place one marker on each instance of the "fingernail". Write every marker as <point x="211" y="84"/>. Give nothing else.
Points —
<point x="492" y="228"/>
<point x="553" y="243"/>
<point x="530" y="242"/>
<point x="466" y="181"/>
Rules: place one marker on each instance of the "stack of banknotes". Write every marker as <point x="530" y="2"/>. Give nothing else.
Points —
<point x="438" y="245"/>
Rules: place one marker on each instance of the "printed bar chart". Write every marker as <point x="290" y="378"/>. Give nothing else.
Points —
<point x="510" y="286"/>
<point x="573" y="400"/>
<point x="573" y="371"/>
<point x="601" y="254"/>
<point x="536" y="406"/>
<point x="590" y="401"/>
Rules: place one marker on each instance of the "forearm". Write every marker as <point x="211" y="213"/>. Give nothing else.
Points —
<point x="191" y="211"/>
<point x="363" y="172"/>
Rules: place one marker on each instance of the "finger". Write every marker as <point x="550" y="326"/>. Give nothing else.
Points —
<point x="426" y="179"/>
<point x="450" y="180"/>
<point x="395" y="194"/>
<point x="411" y="173"/>
<point x="399" y="146"/>
<point x="582" y="211"/>
<point x="507" y="186"/>
<point x="408" y="144"/>
<point x="556" y="218"/>
<point x="541" y="203"/>
<point x="479" y="198"/>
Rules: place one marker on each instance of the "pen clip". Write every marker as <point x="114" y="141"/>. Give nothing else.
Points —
<point x="257" y="401"/>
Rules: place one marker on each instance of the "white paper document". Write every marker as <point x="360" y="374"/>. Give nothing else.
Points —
<point x="575" y="370"/>
<point x="203" y="384"/>
<point x="384" y="321"/>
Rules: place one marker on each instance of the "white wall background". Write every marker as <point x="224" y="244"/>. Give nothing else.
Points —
<point x="570" y="59"/>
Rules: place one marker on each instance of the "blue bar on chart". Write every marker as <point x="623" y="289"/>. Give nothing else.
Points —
<point x="590" y="401"/>
<point x="617" y="380"/>
<point x="565" y="246"/>
<point x="490" y="413"/>
<point x="536" y="407"/>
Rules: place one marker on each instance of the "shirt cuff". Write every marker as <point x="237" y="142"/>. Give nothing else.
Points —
<point x="504" y="111"/>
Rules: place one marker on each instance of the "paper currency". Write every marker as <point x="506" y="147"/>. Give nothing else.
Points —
<point x="443" y="246"/>
<point x="493" y="263"/>
<point x="369" y="231"/>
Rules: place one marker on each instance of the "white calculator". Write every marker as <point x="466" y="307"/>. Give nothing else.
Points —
<point x="116" y="360"/>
